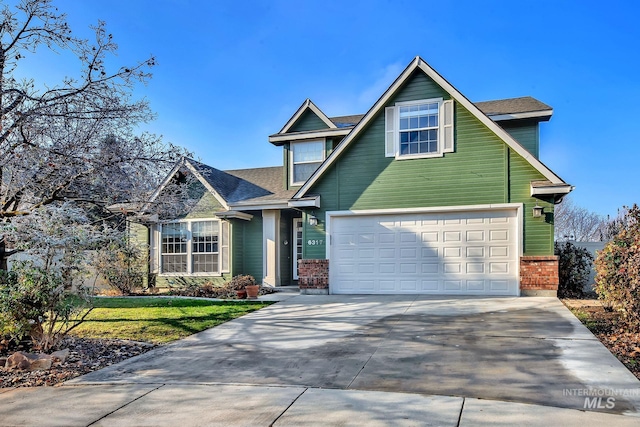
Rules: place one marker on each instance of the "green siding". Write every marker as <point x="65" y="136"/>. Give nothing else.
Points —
<point x="246" y="249"/>
<point x="139" y="235"/>
<point x="286" y="251"/>
<point x="251" y="252"/>
<point x="237" y="245"/>
<point x="538" y="232"/>
<point x="480" y="171"/>
<point x="308" y="121"/>
<point x="526" y="133"/>
<point x="206" y="206"/>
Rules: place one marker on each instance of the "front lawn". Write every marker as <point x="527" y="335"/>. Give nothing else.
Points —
<point x="158" y="320"/>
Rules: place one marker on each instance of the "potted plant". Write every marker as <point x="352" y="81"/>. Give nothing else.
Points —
<point x="245" y="286"/>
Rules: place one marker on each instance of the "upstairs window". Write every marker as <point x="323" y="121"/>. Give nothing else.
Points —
<point x="306" y="157"/>
<point x="419" y="129"/>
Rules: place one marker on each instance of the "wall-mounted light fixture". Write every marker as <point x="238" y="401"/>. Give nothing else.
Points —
<point x="537" y="211"/>
<point x="313" y="221"/>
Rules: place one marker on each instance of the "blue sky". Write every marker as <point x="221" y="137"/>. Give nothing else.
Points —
<point x="230" y="73"/>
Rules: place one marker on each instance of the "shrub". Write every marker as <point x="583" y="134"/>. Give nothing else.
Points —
<point x="209" y="290"/>
<point x="34" y="303"/>
<point x="239" y="283"/>
<point x="574" y="267"/>
<point x="122" y="266"/>
<point x="618" y="270"/>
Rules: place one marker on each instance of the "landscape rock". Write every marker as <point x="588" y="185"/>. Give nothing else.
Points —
<point x="28" y="362"/>
<point x="85" y="355"/>
<point x="60" y="355"/>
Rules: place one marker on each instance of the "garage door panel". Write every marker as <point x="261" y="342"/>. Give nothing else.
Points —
<point x="451" y="236"/>
<point x="499" y="235"/>
<point x="475" y="220"/>
<point x="475" y="236"/>
<point x="475" y="268"/>
<point x="452" y="285"/>
<point x="499" y="285"/>
<point x="452" y="252"/>
<point x="387" y="253"/>
<point x="387" y="285"/>
<point x="476" y="285"/>
<point x="430" y="268"/>
<point x="366" y="253"/>
<point x="408" y="268"/>
<point x="433" y="253"/>
<point x="429" y="252"/>
<point x="387" y="238"/>
<point x="430" y="285"/>
<point x="387" y="268"/>
<point x="430" y="236"/>
<point x="475" y="252"/>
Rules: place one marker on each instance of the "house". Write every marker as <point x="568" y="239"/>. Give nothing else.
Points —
<point x="425" y="193"/>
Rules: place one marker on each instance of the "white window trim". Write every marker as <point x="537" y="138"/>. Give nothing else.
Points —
<point x="221" y="245"/>
<point x="291" y="164"/>
<point x="393" y="131"/>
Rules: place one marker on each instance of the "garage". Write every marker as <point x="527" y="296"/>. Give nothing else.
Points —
<point x="465" y="252"/>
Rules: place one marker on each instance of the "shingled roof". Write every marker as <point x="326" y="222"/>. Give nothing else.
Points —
<point x="524" y="104"/>
<point x="346" y="121"/>
<point x="271" y="179"/>
<point x="230" y="187"/>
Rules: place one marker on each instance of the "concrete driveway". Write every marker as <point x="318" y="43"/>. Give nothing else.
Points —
<point x="448" y="360"/>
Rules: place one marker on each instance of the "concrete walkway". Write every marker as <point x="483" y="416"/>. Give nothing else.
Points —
<point x="358" y="360"/>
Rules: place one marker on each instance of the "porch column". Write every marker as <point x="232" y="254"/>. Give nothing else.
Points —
<point x="270" y="245"/>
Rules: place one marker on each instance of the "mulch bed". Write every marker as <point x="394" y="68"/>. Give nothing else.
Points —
<point x="85" y="355"/>
<point x="605" y="325"/>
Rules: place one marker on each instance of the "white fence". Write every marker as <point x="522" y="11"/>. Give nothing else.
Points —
<point x="593" y="248"/>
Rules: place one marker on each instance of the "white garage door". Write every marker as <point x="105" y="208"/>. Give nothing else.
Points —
<point x="427" y="253"/>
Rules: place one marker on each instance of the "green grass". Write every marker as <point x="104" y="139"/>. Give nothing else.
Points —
<point x="158" y="320"/>
<point x="585" y="318"/>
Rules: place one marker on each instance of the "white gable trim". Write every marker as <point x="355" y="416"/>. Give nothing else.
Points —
<point x="176" y="168"/>
<point x="515" y="116"/>
<point x="456" y="95"/>
<point x="297" y="136"/>
<point x="307" y="105"/>
<point x="164" y="183"/>
<point x="206" y="184"/>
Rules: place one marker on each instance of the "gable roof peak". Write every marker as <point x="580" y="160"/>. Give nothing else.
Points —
<point x="307" y="105"/>
<point x="420" y="64"/>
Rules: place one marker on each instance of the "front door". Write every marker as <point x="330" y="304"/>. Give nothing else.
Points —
<point x="297" y="245"/>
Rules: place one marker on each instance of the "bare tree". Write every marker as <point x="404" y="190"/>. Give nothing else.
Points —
<point x="74" y="141"/>
<point x="574" y="222"/>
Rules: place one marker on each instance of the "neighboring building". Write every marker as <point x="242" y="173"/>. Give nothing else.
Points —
<point x="425" y="193"/>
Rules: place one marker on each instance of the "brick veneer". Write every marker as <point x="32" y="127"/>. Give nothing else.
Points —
<point x="313" y="276"/>
<point x="539" y="275"/>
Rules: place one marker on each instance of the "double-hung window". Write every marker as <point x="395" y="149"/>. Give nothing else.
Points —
<point x="194" y="247"/>
<point x="174" y="247"/>
<point x="419" y="129"/>
<point x="306" y="157"/>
